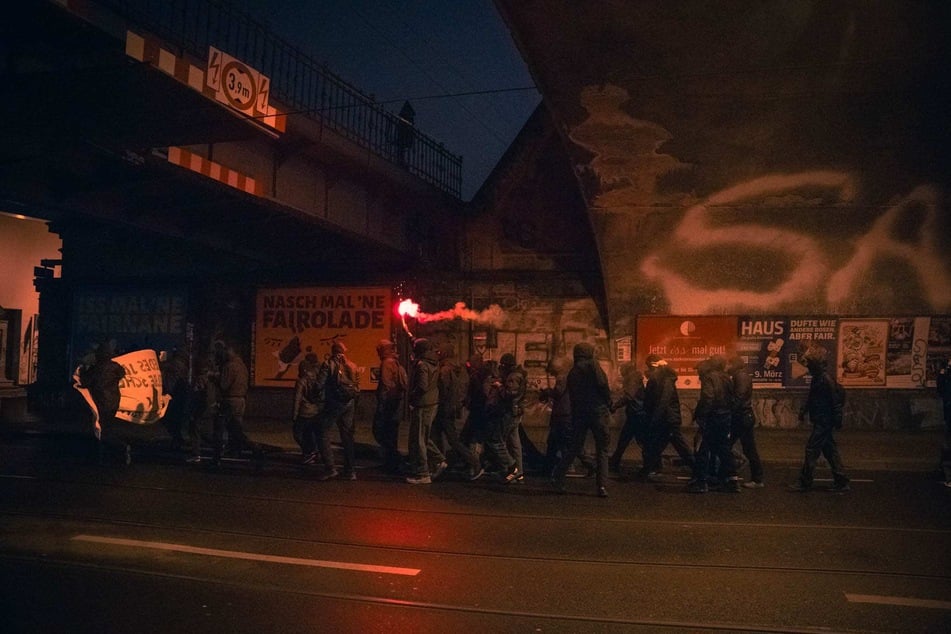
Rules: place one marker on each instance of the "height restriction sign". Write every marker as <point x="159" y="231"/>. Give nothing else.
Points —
<point x="237" y="84"/>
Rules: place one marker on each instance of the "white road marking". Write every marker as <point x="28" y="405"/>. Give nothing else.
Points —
<point x="903" y="601"/>
<point x="236" y="554"/>
<point x="850" y="480"/>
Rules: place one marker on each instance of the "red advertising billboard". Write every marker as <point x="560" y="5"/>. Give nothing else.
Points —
<point x="684" y="342"/>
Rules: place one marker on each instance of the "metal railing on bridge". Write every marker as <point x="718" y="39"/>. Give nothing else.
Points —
<point x="301" y="84"/>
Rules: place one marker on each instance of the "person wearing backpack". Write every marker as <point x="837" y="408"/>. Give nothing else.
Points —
<point x="308" y="402"/>
<point x="824" y="407"/>
<point x="339" y="379"/>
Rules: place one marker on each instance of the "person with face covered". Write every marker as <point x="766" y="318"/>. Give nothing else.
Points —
<point x="824" y="407"/>
<point x="743" y="420"/>
<point x="662" y="407"/>
<point x="495" y="419"/>
<point x="713" y="415"/>
<point x="514" y="386"/>
<point x="390" y="398"/>
<point x="339" y="378"/>
<point x="233" y="379"/>
<point x="308" y="402"/>
<point x="453" y="387"/>
<point x="635" y="419"/>
<point x="590" y="411"/>
<point x="425" y="458"/>
<point x="102" y="377"/>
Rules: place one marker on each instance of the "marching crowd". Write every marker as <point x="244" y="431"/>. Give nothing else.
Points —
<point x="466" y="418"/>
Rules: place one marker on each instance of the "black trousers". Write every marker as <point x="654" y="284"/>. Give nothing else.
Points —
<point x="822" y="441"/>
<point x="597" y="422"/>
<point x="716" y="446"/>
<point x="742" y="431"/>
<point x="658" y="439"/>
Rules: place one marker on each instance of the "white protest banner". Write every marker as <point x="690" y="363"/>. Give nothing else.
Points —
<point x="140" y="393"/>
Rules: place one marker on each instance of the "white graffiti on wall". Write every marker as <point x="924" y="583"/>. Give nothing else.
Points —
<point x="626" y="152"/>
<point x="698" y="229"/>
<point x="923" y="256"/>
<point x="628" y="162"/>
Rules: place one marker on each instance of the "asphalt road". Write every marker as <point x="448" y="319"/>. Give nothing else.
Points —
<point x="164" y="547"/>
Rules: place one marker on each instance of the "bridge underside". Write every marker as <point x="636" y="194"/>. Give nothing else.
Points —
<point x="754" y="157"/>
<point x="96" y="153"/>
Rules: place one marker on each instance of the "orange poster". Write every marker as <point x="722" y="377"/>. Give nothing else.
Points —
<point x="291" y="322"/>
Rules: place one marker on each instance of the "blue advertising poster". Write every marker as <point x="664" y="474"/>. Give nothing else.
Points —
<point x="806" y="332"/>
<point x="149" y="319"/>
<point x="760" y="341"/>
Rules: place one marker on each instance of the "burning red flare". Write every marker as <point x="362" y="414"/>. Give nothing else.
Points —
<point x="408" y="307"/>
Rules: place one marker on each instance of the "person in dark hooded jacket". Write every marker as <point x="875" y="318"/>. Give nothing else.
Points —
<point x="590" y="410"/>
<point x="662" y="407"/>
<point x="423" y="395"/>
<point x="102" y="378"/>
<point x="825" y="414"/>
<point x="635" y="419"/>
<point x="390" y="399"/>
<point x="453" y="385"/>
<point x="713" y="415"/>
<point x="743" y="420"/>
<point x="335" y="374"/>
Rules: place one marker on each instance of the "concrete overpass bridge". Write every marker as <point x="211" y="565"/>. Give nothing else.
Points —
<point x="190" y="120"/>
<point x="690" y="159"/>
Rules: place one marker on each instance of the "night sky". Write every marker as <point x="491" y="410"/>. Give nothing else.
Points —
<point x="402" y="50"/>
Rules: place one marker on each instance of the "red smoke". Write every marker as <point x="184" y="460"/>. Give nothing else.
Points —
<point x="492" y="315"/>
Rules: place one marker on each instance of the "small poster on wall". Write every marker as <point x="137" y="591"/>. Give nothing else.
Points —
<point x="803" y="333"/>
<point x="939" y="348"/>
<point x="862" y="352"/>
<point x="906" y="353"/>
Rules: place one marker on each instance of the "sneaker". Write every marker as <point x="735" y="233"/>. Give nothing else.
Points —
<point x="731" y="486"/>
<point x="799" y="487"/>
<point x="513" y="475"/>
<point x="350" y="476"/>
<point x="193" y="460"/>
<point x="329" y="475"/>
<point x="520" y="479"/>
<point x="948" y="484"/>
<point x="697" y="486"/>
<point x="475" y="474"/>
<point x="422" y="479"/>
<point x="753" y="484"/>
<point x="840" y="487"/>
<point x="602" y="492"/>
<point x="439" y="470"/>
<point x="310" y="458"/>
